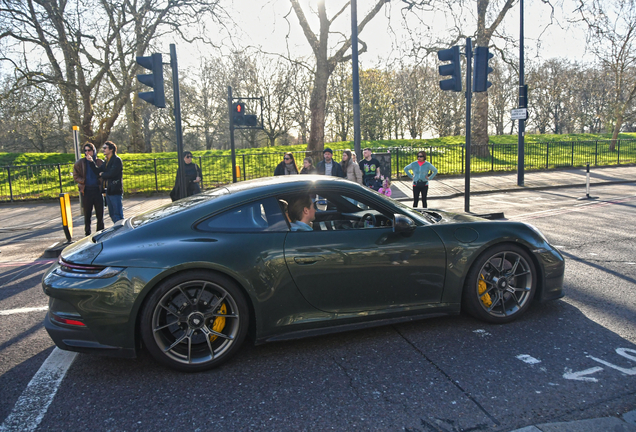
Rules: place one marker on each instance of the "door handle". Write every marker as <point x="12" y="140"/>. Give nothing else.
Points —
<point x="308" y="260"/>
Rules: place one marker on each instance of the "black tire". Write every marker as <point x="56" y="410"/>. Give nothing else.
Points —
<point x="194" y="321"/>
<point x="500" y="284"/>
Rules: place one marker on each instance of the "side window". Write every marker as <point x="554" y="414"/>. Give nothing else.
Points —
<point x="259" y="216"/>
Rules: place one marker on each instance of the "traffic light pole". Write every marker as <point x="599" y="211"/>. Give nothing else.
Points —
<point x="355" y="79"/>
<point x="229" y="110"/>
<point x="522" y="123"/>
<point x="177" y="119"/>
<point x="469" y="100"/>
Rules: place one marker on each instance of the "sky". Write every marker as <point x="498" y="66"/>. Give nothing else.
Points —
<point x="265" y="26"/>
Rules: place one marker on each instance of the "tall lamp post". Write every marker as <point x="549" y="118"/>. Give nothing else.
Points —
<point x="355" y="79"/>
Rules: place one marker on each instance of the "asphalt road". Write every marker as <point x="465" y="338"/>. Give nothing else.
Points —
<point x="569" y="359"/>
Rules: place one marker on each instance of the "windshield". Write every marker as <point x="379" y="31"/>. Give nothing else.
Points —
<point x="176" y="207"/>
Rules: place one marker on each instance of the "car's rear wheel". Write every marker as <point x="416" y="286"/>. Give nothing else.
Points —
<point x="194" y="321"/>
<point x="500" y="285"/>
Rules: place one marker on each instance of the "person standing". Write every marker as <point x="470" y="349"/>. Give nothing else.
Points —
<point x="287" y="166"/>
<point x="350" y="168"/>
<point x="308" y="166"/>
<point x="327" y="166"/>
<point x="370" y="168"/>
<point x="419" y="171"/>
<point x="193" y="178"/>
<point x="111" y="174"/>
<point x="90" y="186"/>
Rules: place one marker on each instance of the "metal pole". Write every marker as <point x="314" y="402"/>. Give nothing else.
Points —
<point x="522" y="123"/>
<point x="229" y="109"/>
<point x="177" y="119"/>
<point x="355" y="79"/>
<point x="469" y="99"/>
<point x="78" y="155"/>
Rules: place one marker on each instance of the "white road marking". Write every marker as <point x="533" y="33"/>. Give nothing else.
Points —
<point x="528" y="359"/>
<point x="580" y="375"/>
<point x="32" y="405"/>
<point x="482" y="333"/>
<point x="23" y="310"/>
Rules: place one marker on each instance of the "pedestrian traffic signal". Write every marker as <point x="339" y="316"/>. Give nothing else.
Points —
<point x="481" y="69"/>
<point x="453" y="69"/>
<point x="240" y="118"/>
<point x="238" y="113"/>
<point x="155" y="80"/>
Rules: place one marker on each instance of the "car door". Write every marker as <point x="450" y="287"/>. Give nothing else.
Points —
<point x="366" y="268"/>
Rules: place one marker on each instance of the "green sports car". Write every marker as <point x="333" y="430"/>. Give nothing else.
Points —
<point x="283" y="258"/>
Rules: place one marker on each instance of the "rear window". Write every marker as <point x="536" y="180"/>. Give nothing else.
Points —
<point x="259" y="216"/>
<point x="176" y="207"/>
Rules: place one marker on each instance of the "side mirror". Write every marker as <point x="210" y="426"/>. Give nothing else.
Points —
<point x="320" y="204"/>
<point x="403" y="224"/>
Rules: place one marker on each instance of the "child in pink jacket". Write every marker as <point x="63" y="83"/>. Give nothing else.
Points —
<point x="386" y="187"/>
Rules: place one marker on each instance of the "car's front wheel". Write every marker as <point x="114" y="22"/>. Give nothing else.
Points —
<point x="500" y="285"/>
<point x="194" y="321"/>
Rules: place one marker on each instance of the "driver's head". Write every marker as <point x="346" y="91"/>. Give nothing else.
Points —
<point x="301" y="209"/>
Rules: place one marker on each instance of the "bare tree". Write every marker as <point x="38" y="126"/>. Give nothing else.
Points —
<point x="339" y="102"/>
<point x="325" y="63"/>
<point x="612" y="37"/>
<point x="75" y="45"/>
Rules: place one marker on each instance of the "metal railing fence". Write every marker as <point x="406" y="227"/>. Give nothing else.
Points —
<point x="149" y="175"/>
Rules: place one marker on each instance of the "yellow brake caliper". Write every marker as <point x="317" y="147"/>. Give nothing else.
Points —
<point x="482" y="287"/>
<point x="219" y="322"/>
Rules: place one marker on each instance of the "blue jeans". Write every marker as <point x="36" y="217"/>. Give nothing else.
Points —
<point x="115" y="207"/>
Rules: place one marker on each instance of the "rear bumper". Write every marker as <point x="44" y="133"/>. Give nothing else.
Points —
<point x="81" y="339"/>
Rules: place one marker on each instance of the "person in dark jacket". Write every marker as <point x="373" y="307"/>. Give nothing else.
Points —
<point x="193" y="178"/>
<point x="90" y="187"/>
<point x="328" y="166"/>
<point x="308" y="166"/>
<point x="287" y="166"/>
<point x="111" y="173"/>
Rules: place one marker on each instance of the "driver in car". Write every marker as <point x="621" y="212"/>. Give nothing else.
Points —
<point x="302" y="212"/>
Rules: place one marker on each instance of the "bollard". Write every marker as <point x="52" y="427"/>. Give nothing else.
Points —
<point x="67" y="224"/>
<point x="67" y="216"/>
<point x="587" y="185"/>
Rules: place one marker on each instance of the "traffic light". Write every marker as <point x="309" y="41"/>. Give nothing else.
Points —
<point x="453" y="69"/>
<point x="239" y="116"/>
<point x="238" y="113"/>
<point x="481" y="69"/>
<point x="155" y="80"/>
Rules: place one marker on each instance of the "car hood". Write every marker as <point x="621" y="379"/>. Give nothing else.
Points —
<point x="442" y="216"/>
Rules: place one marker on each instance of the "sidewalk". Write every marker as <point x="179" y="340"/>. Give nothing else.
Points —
<point x="452" y="186"/>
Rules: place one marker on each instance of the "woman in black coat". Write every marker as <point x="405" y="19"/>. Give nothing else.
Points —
<point x="193" y="178"/>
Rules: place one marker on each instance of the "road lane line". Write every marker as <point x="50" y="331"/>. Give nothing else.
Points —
<point x="32" y="405"/>
<point x="23" y="310"/>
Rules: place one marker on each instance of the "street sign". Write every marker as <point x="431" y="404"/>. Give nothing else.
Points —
<point x="519" y="114"/>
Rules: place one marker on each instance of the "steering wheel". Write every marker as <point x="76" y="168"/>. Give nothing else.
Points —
<point x="367" y="216"/>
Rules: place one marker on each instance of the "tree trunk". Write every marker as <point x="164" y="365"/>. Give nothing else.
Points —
<point x="617" y="129"/>
<point x="317" y="105"/>
<point x="479" y="143"/>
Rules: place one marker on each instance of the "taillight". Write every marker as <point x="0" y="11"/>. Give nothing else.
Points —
<point x="67" y="321"/>
<point x="85" y="271"/>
